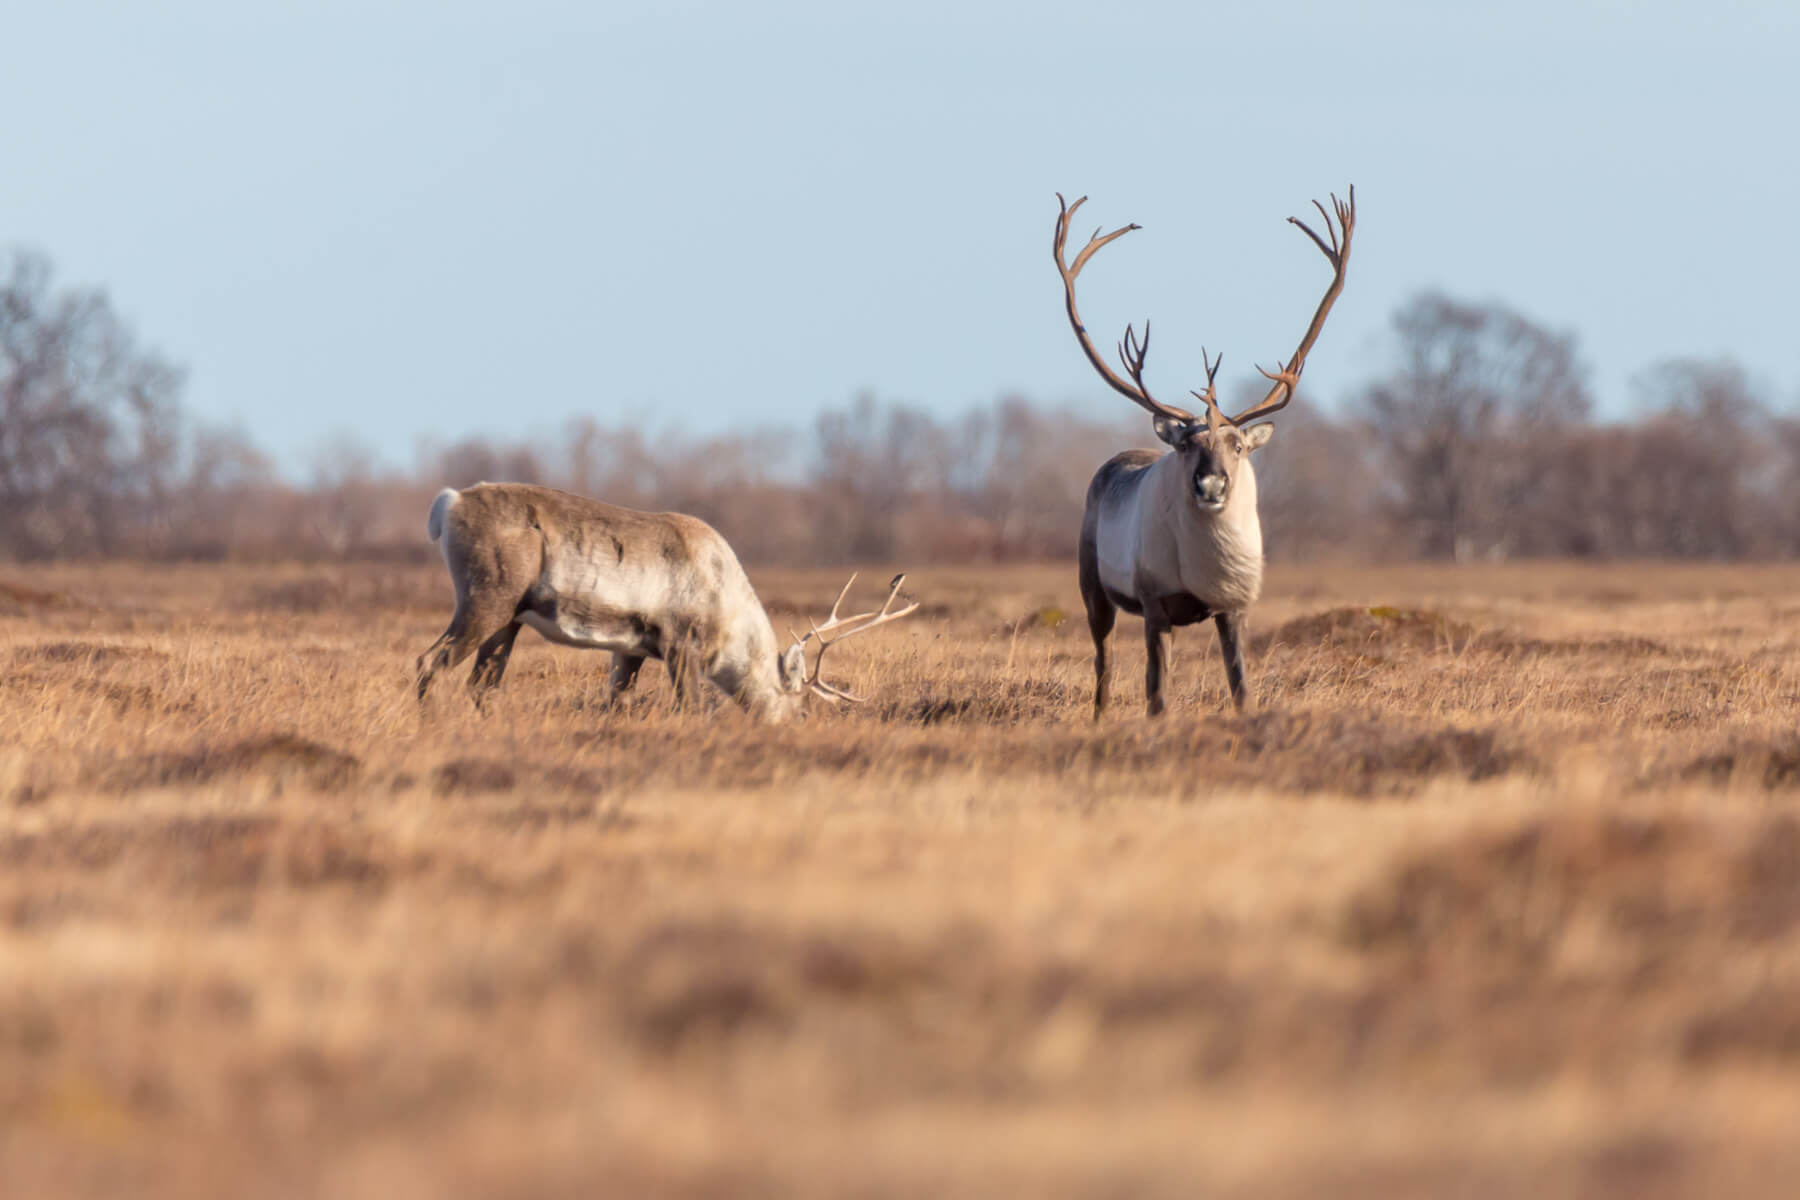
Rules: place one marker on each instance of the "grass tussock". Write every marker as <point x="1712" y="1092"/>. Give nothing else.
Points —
<point x="277" y="758"/>
<point x="1496" y="891"/>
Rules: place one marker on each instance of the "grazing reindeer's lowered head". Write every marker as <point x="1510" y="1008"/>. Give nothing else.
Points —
<point x="642" y="585"/>
<point x="1174" y="537"/>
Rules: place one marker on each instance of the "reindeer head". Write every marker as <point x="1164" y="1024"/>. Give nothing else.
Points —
<point x="797" y="681"/>
<point x="1214" y="458"/>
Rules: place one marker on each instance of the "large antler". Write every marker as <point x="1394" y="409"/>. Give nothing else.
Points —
<point x="1131" y="350"/>
<point x="834" y="621"/>
<point x="1287" y="377"/>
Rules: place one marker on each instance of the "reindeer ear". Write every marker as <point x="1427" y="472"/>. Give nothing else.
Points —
<point x="1172" y="431"/>
<point x="1257" y="436"/>
<point x="793" y="668"/>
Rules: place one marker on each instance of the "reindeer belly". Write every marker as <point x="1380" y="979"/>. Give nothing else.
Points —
<point x="593" y="630"/>
<point x="594" y="611"/>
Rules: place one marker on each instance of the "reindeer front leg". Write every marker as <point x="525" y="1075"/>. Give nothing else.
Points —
<point x="1156" y="645"/>
<point x="1231" y="646"/>
<point x="625" y="668"/>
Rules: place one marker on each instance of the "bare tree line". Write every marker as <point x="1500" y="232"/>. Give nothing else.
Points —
<point x="1479" y="441"/>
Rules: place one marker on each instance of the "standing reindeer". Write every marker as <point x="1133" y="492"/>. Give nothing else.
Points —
<point x="642" y="585"/>
<point x="1175" y="537"/>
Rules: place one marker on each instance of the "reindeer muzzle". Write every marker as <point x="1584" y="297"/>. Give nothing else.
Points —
<point x="1209" y="489"/>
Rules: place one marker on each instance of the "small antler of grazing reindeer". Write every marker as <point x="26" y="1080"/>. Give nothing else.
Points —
<point x="1287" y="376"/>
<point x="834" y="622"/>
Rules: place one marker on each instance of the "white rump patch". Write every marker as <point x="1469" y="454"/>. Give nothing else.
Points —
<point x="440" y="508"/>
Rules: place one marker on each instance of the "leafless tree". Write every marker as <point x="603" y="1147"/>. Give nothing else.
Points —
<point x="224" y="499"/>
<point x="1699" y="485"/>
<point x="88" y="421"/>
<point x="347" y="488"/>
<point x="612" y="462"/>
<point x="870" y="462"/>
<point x="1459" y="424"/>
<point x="1782" y="485"/>
<point x="738" y="483"/>
<point x="1320" y="489"/>
<point x="475" y="460"/>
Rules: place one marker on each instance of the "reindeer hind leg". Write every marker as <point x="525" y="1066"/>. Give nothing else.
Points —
<point x="1101" y="616"/>
<point x="490" y="661"/>
<point x="447" y="651"/>
<point x="486" y="619"/>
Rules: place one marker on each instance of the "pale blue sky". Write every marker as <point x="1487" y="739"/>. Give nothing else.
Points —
<point x="394" y="219"/>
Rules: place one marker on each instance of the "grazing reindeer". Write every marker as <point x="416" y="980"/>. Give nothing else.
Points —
<point x="1175" y="537"/>
<point x="642" y="585"/>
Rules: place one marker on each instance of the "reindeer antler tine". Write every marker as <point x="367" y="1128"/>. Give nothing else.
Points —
<point x="1330" y="250"/>
<point x="834" y="693"/>
<point x="839" y="600"/>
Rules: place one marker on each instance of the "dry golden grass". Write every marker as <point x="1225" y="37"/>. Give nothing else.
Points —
<point x="1497" y="894"/>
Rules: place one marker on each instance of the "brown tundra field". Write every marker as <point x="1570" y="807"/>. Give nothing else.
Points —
<point x="1496" y="893"/>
